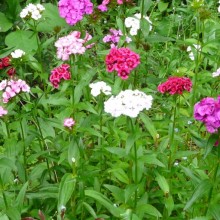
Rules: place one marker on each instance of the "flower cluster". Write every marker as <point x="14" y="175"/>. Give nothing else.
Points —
<point x="5" y="63"/>
<point x="175" y="85"/>
<point x="74" y="10"/>
<point x="114" y="37"/>
<point x="58" y="73"/>
<point x="11" y="88"/>
<point x="217" y="73"/>
<point x="129" y="103"/>
<point x="68" y="122"/>
<point x="122" y="60"/>
<point x="32" y="11"/>
<point x="17" y="54"/>
<point x="208" y="111"/>
<point x="3" y="111"/>
<point x="134" y="23"/>
<point x="72" y="44"/>
<point x="99" y="87"/>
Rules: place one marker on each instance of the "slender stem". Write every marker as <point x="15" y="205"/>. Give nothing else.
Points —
<point x="24" y="151"/>
<point x="172" y="145"/>
<point x="136" y="166"/>
<point x="214" y="176"/>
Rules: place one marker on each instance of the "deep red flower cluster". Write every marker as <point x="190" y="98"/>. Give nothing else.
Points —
<point x="122" y="60"/>
<point x="58" y="73"/>
<point x="175" y="85"/>
<point x="6" y="62"/>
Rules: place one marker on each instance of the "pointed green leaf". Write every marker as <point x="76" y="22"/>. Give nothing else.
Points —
<point x="162" y="182"/>
<point x="20" y="198"/>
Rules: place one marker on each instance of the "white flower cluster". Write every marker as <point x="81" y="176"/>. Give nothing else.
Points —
<point x="129" y="103"/>
<point x="17" y="54"/>
<point x="32" y="11"/>
<point x="99" y="87"/>
<point x="134" y="23"/>
<point x="217" y="73"/>
<point x="191" y="54"/>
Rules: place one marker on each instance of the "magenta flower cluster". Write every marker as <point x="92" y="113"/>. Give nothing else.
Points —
<point x="208" y="111"/>
<point x="103" y="6"/>
<point x="122" y="60"/>
<point x="175" y="85"/>
<point x="74" y="10"/>
<point x="12" y="87"/>
<point x="72" y="44"/>
<point x="58" y="73"/>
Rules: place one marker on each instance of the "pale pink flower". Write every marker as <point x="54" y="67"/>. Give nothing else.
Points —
<point x="3" y="111"/>
<point x="68" y="122"/>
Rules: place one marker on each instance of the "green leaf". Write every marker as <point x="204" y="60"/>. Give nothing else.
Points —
<point x="215" y="211"/>
<point x="162" y="182"/>
<point x="51" y="19"/>
<point x="120" y="23"/>
<point x="129" y="143"/>
<point x="3" y="216"/>
<point x="120" y="152"/>
<point x="169" y="204"/>
<point x="13" y="213"/>
<point x="116" y="192"/>
<point x="5" y="24"/>
<point x="103" y="200"/>
<point x="148" y="209"/>
<point x="7" y="163"/>
<point x="162" y="6"/>
<point x="146" y="6"/>
<point x="151" y="159"/>
<point x="90" y="210"/>
<point x="145" y="27"/>
<point x="66" y="188"/>
<point x="202" y="189"/>
<point x="24" y="40"/>
<point x="156" y="38"/>
<point x="120" y="174"/>
<point x="20" y="198"/>
<point x="149" y="125"/>
<point x="210" y="143"/>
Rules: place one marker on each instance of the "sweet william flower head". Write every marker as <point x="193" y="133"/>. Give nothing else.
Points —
<point x="100" y="87"/>
<point x="32" y="11"/>
<point x="129" y="103"/>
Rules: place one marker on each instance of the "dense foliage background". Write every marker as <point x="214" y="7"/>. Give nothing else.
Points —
<point x="162" y="164"/>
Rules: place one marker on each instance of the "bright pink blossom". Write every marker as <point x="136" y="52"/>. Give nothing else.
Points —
<point x="58" y="73"/>
<point x="175" y="85"/>
<point x="72" y="44"/>
<point x="68" y="122"/>
<point x="3" y="111"/>
<point x="122" y="60"/>
<point x="208" y="111"/>
<point x="74" y="10"/>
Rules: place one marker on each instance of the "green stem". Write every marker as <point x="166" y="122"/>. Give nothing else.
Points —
<point x="214" y="176"/>
<point x="135" y="166"/>
<point x="172" y="145"/>
<point x="24" y="151"/>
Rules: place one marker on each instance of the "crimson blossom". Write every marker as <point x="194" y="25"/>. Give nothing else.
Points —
<point x="5" y="63"/>
<point x="175" y="85"/>
<point x="208" y="111"/>
<point x="123" y="60"/>
<point x="58" y="73"/>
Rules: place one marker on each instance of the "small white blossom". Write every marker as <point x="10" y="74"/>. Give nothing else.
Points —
<point x="176" y="164"/>
<point x="184" y="158"/>
<point x="217" y="73"/>
<point x="32" y="11"/>
<point x="191" y="54"/>
<point x="99" y="87"/>
<point x="134" y="23"/>
<point x="17" y="54"/>
<point x="129" y="103"/>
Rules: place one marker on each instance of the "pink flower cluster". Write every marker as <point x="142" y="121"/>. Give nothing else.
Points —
<point x="122" y="60"/>
<point x="3" y="111"/>
<point x="208" y="111"/>
<point x="74" y="10"/>
<point x="11" y="88"/>
<point x="103" y="6"/>
<point x="175" y="85"/>
<point x="72" y="44"/>
<point x="58" y="73"/>
<point x="114" y="37"/>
